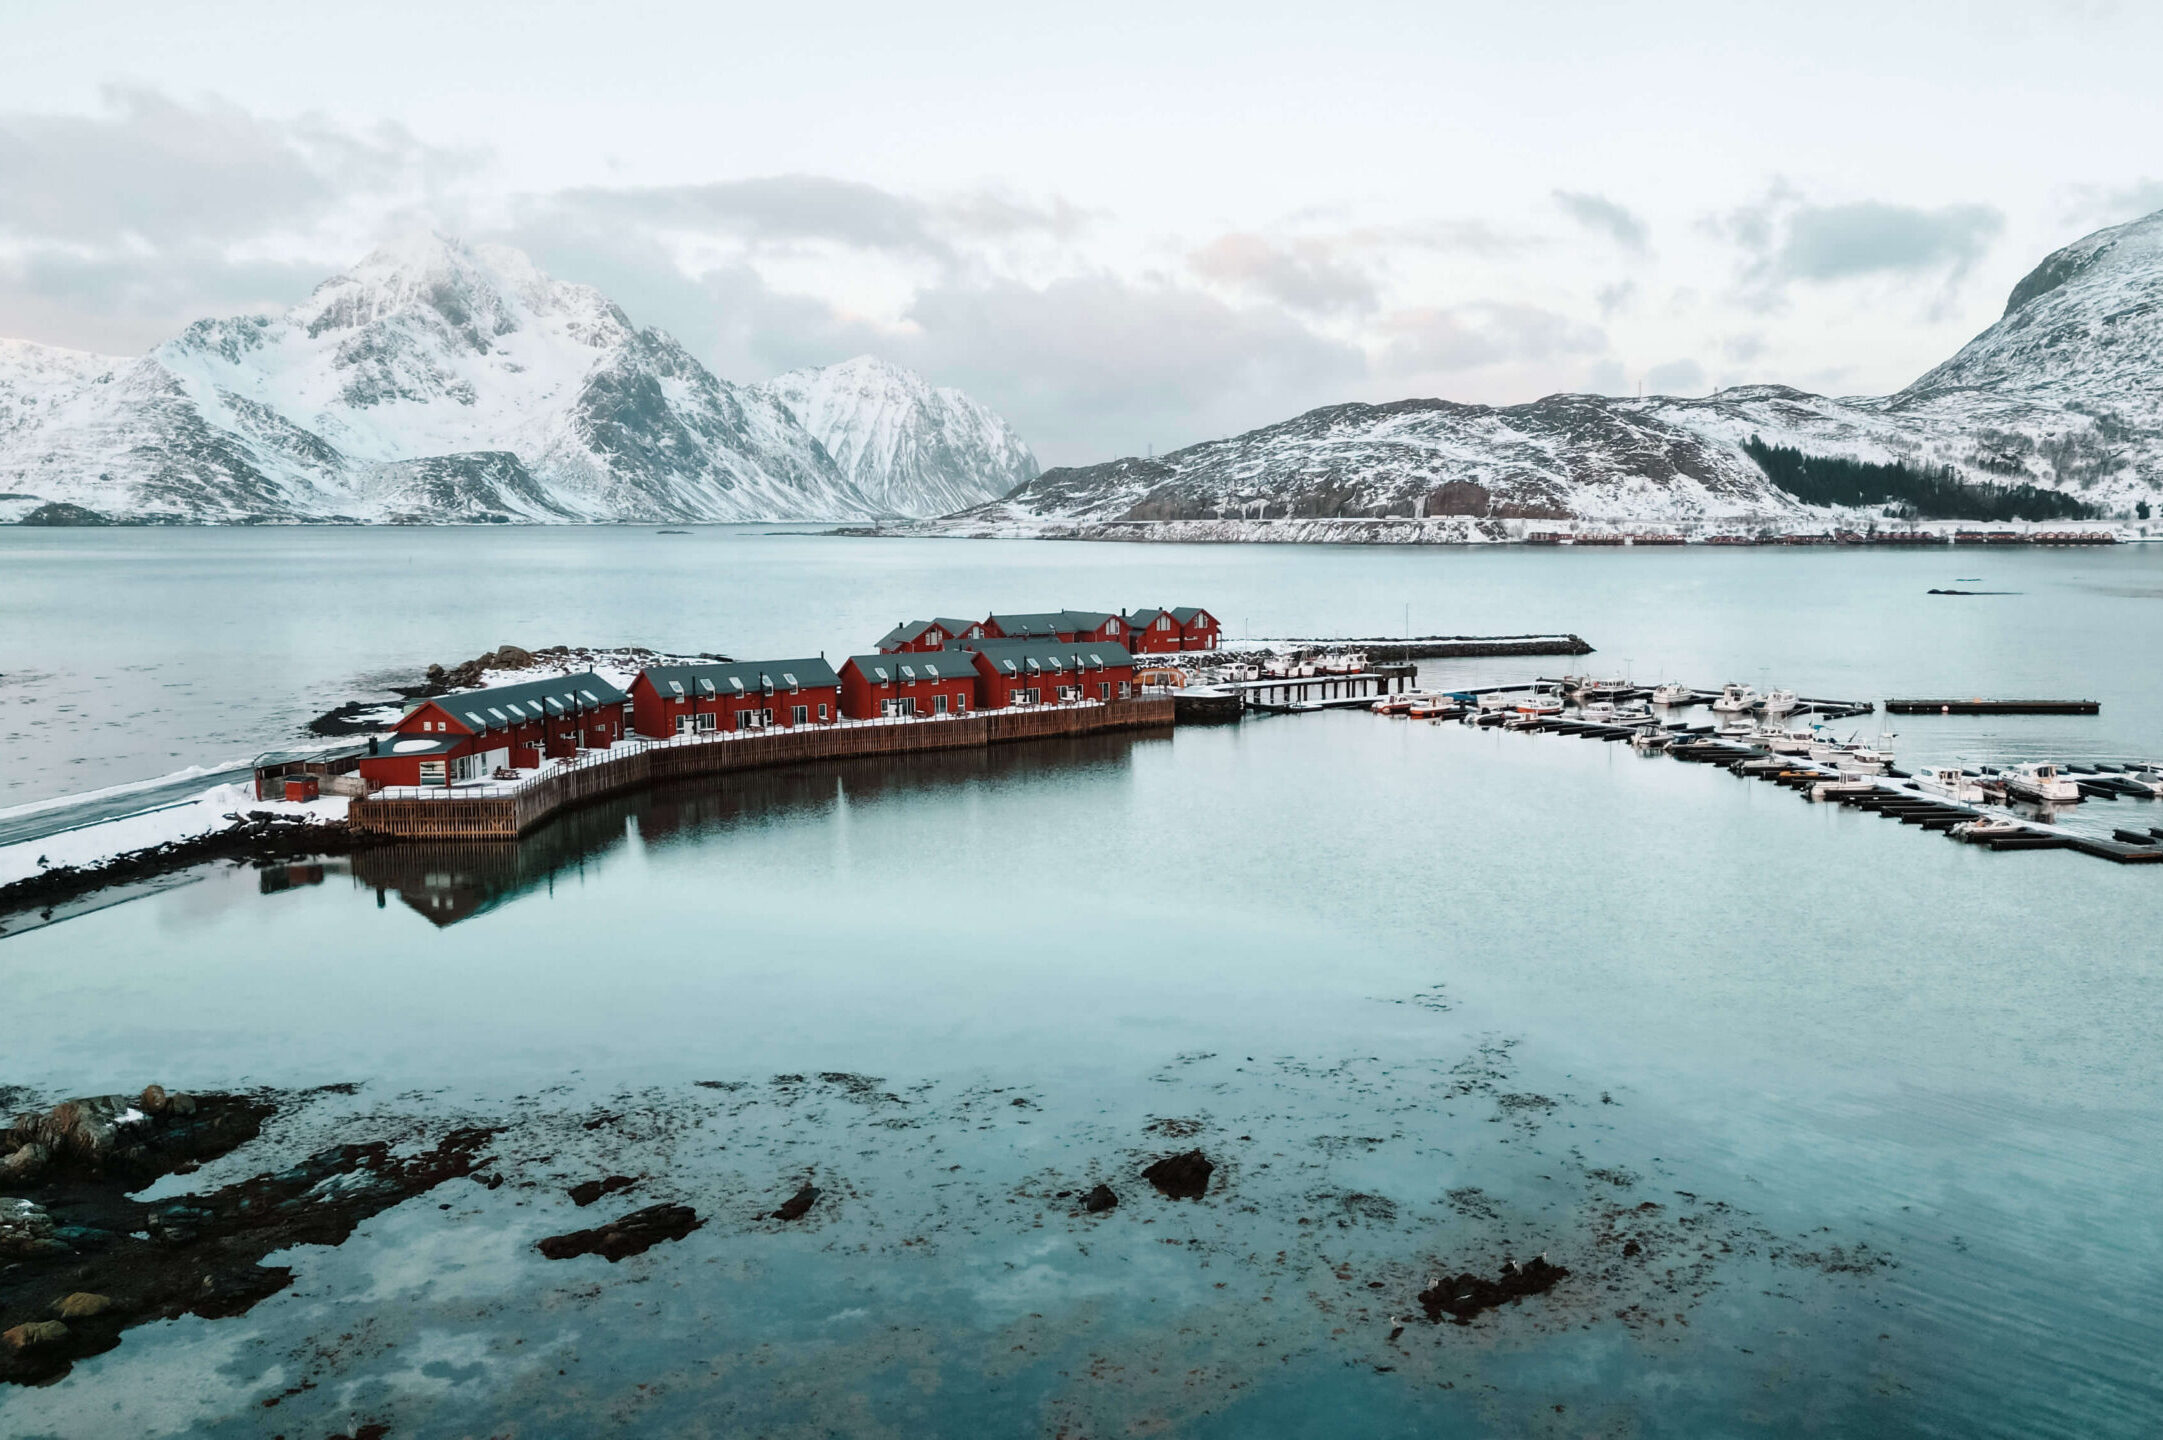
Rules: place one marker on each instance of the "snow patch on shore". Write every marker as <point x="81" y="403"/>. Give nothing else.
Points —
<point x="205" y="814"/>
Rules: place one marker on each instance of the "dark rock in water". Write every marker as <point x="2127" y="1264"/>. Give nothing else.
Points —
<point x="117" y="1262"/>
<point x="587" y="1191"/>
<point x="1184" y="1176"/>
<point x="1099" y="1200"/>
<point x="799" y="1204"/>
<point x="634" y="1234"/>
<point x="59" y="512"/>
<point x="1462" y="1298"/>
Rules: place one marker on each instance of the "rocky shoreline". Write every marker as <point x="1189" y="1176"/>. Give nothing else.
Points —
<point x="260" y="837"/>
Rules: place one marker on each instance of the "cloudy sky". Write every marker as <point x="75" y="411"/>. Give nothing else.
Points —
<point x="1123" y="230"/>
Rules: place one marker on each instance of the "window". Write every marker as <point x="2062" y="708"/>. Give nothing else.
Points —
<point x="961" y="703"/>
<point x="683" y="724"/>
<point x="798" y="714"/>
<point x="707" y="720"/>
<point x="905" y="706"/>
<point x="432" y="773"/>
<point x="1104" y="690"/>
<point x="822" y="712"/>
<point x="1125" y="689"/>
<point x="938" y="705"/>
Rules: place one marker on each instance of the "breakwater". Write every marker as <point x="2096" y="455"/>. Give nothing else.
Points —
<point x="506" y="812"/>
<point x="1426" y="647"/>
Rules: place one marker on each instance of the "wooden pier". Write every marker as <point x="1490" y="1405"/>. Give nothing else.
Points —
<point x="1994" y="707"/>
<point x="504" y="812"/>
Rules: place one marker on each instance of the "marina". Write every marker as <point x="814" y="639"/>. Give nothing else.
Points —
<point x="1971" y="805"/>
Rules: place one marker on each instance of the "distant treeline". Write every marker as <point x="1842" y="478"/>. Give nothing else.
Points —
<point x="1938" y="494"/>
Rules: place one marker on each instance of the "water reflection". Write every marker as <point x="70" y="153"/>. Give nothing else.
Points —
<point x="450" y="881"/>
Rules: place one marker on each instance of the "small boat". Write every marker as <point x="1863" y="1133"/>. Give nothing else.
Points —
<point x="1539" y="702"/>
<point x="1498" y="700"/>
<point x="1948" y="783"/>
<point x="1780" y="702"/>
<point x="1736" y="727"/>
<point x="1845" y="785"/>
<point x="1585" y="690"/>
<point x="1396" y="704"/>
<point x="1607" y="712"/>
<point x="1735" y="700"/>
<point x="2040" y="783"/>
<point x="1436" y="707"/>
<point x="1673" y="692"/>
<point x="1977" y="832"/>
<point x="1786" y="740"/>
<point x="1652" y="739"/>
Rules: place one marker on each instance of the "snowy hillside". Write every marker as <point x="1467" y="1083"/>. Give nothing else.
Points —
<point x="1562" y="456"/>
<point x="2064" y="392"/>
<point x="913" y="449"/>
<point x="433" y="381"/>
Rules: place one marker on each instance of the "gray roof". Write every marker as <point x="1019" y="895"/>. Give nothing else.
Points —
<point x="406" y="746"/>
<point x="305" y="757"/>
<point x="953" y="626"/>
<point x="1043" y="622"/>
<point x="1185" y="614"/>
<point x="914" y="665"/>
<point x="1014" y="657"/>
<point x="1143" y="619"/>
<point x="505" y="705"/>
<point x="740" y="677"/>
<point x="910" y="630"/>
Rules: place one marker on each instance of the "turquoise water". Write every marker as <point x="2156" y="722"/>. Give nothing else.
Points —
<point x="1429" y="996"/>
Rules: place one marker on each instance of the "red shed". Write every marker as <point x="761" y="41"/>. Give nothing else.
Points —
<point x="873" y="686"/>
<point x="734" y="695"/>
<point x="1153" y="632"/>
<point x="1041" y="672"/>
<point x="1197" y="627"/>
<point x="467" y="735"/>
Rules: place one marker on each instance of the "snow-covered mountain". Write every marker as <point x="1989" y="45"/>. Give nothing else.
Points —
<point x="913" y="448"/>
<point x="2064" y="391"/>
<point x="1562" y="456"/>
<point x="433" y="381"/>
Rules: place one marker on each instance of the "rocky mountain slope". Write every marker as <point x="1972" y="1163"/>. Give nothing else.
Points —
<point x="434" y="381"/>
<point x="910" y="447"/>
<point x="2064" y="391"/>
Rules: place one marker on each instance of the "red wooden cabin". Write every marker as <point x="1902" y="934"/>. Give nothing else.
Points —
<point x="1198" y="629"/>
<point x="466" y="736"/>
<point x="734" y="695"/>
<point x="1048" y="672"/>
<point x="910" y="683"/>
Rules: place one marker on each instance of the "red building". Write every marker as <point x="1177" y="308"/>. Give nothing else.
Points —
<point x="909" y="683"/>
<point x="918" y="635"/>
<point x="467" y="736"/>
<point x="1049" y="672"/>
<point x="1067" y="625"/>
<point x="1198" y="629"/>
<point x="734" y="695"/>
<point x="1159" y="632"/>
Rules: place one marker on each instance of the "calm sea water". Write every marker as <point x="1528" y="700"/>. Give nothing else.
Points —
<point x="1883" y="1115"/>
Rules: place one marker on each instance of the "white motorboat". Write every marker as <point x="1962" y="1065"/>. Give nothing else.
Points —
<point x="1673" y="692"/>
<point x="1736" y="727"/>
<point x="1947" y="782"/>
<point x="2041" y="784"/>
<point x="1785" y="740"/>
<point x="1736" y="700"/>
<point x="1780" y="702"/>
<point x="1607" y="712"/>
<point x="1586" y="689"/>
<point x="1845" y="785"/>
<point x="1978" y="831"/>
<point x="1539" y="702"/>
<point x="1652" y="739"/>
<point x="1498" y="700"/>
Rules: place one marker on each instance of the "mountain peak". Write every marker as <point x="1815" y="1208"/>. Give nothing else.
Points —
<point x="2135" y="245"/>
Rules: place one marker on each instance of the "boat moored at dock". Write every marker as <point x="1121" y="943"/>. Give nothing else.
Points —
<point x="2041" y="784"/>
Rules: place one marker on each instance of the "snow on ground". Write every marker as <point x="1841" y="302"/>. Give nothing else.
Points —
<point x="211" y="811"/>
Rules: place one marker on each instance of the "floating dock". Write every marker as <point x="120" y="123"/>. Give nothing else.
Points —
<point x="1994" y="707"/>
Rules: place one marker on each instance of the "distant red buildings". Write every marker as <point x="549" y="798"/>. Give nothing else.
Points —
<point x="924" y="669"/>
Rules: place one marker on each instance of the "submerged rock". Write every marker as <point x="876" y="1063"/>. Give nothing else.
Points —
<point x="1099" y="1200"/>
<point x="798" y="1205"/>
<point x="1184" y="1176"/>
<point x="634" y="1234"/>
<point x="1462" y="1298"/>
